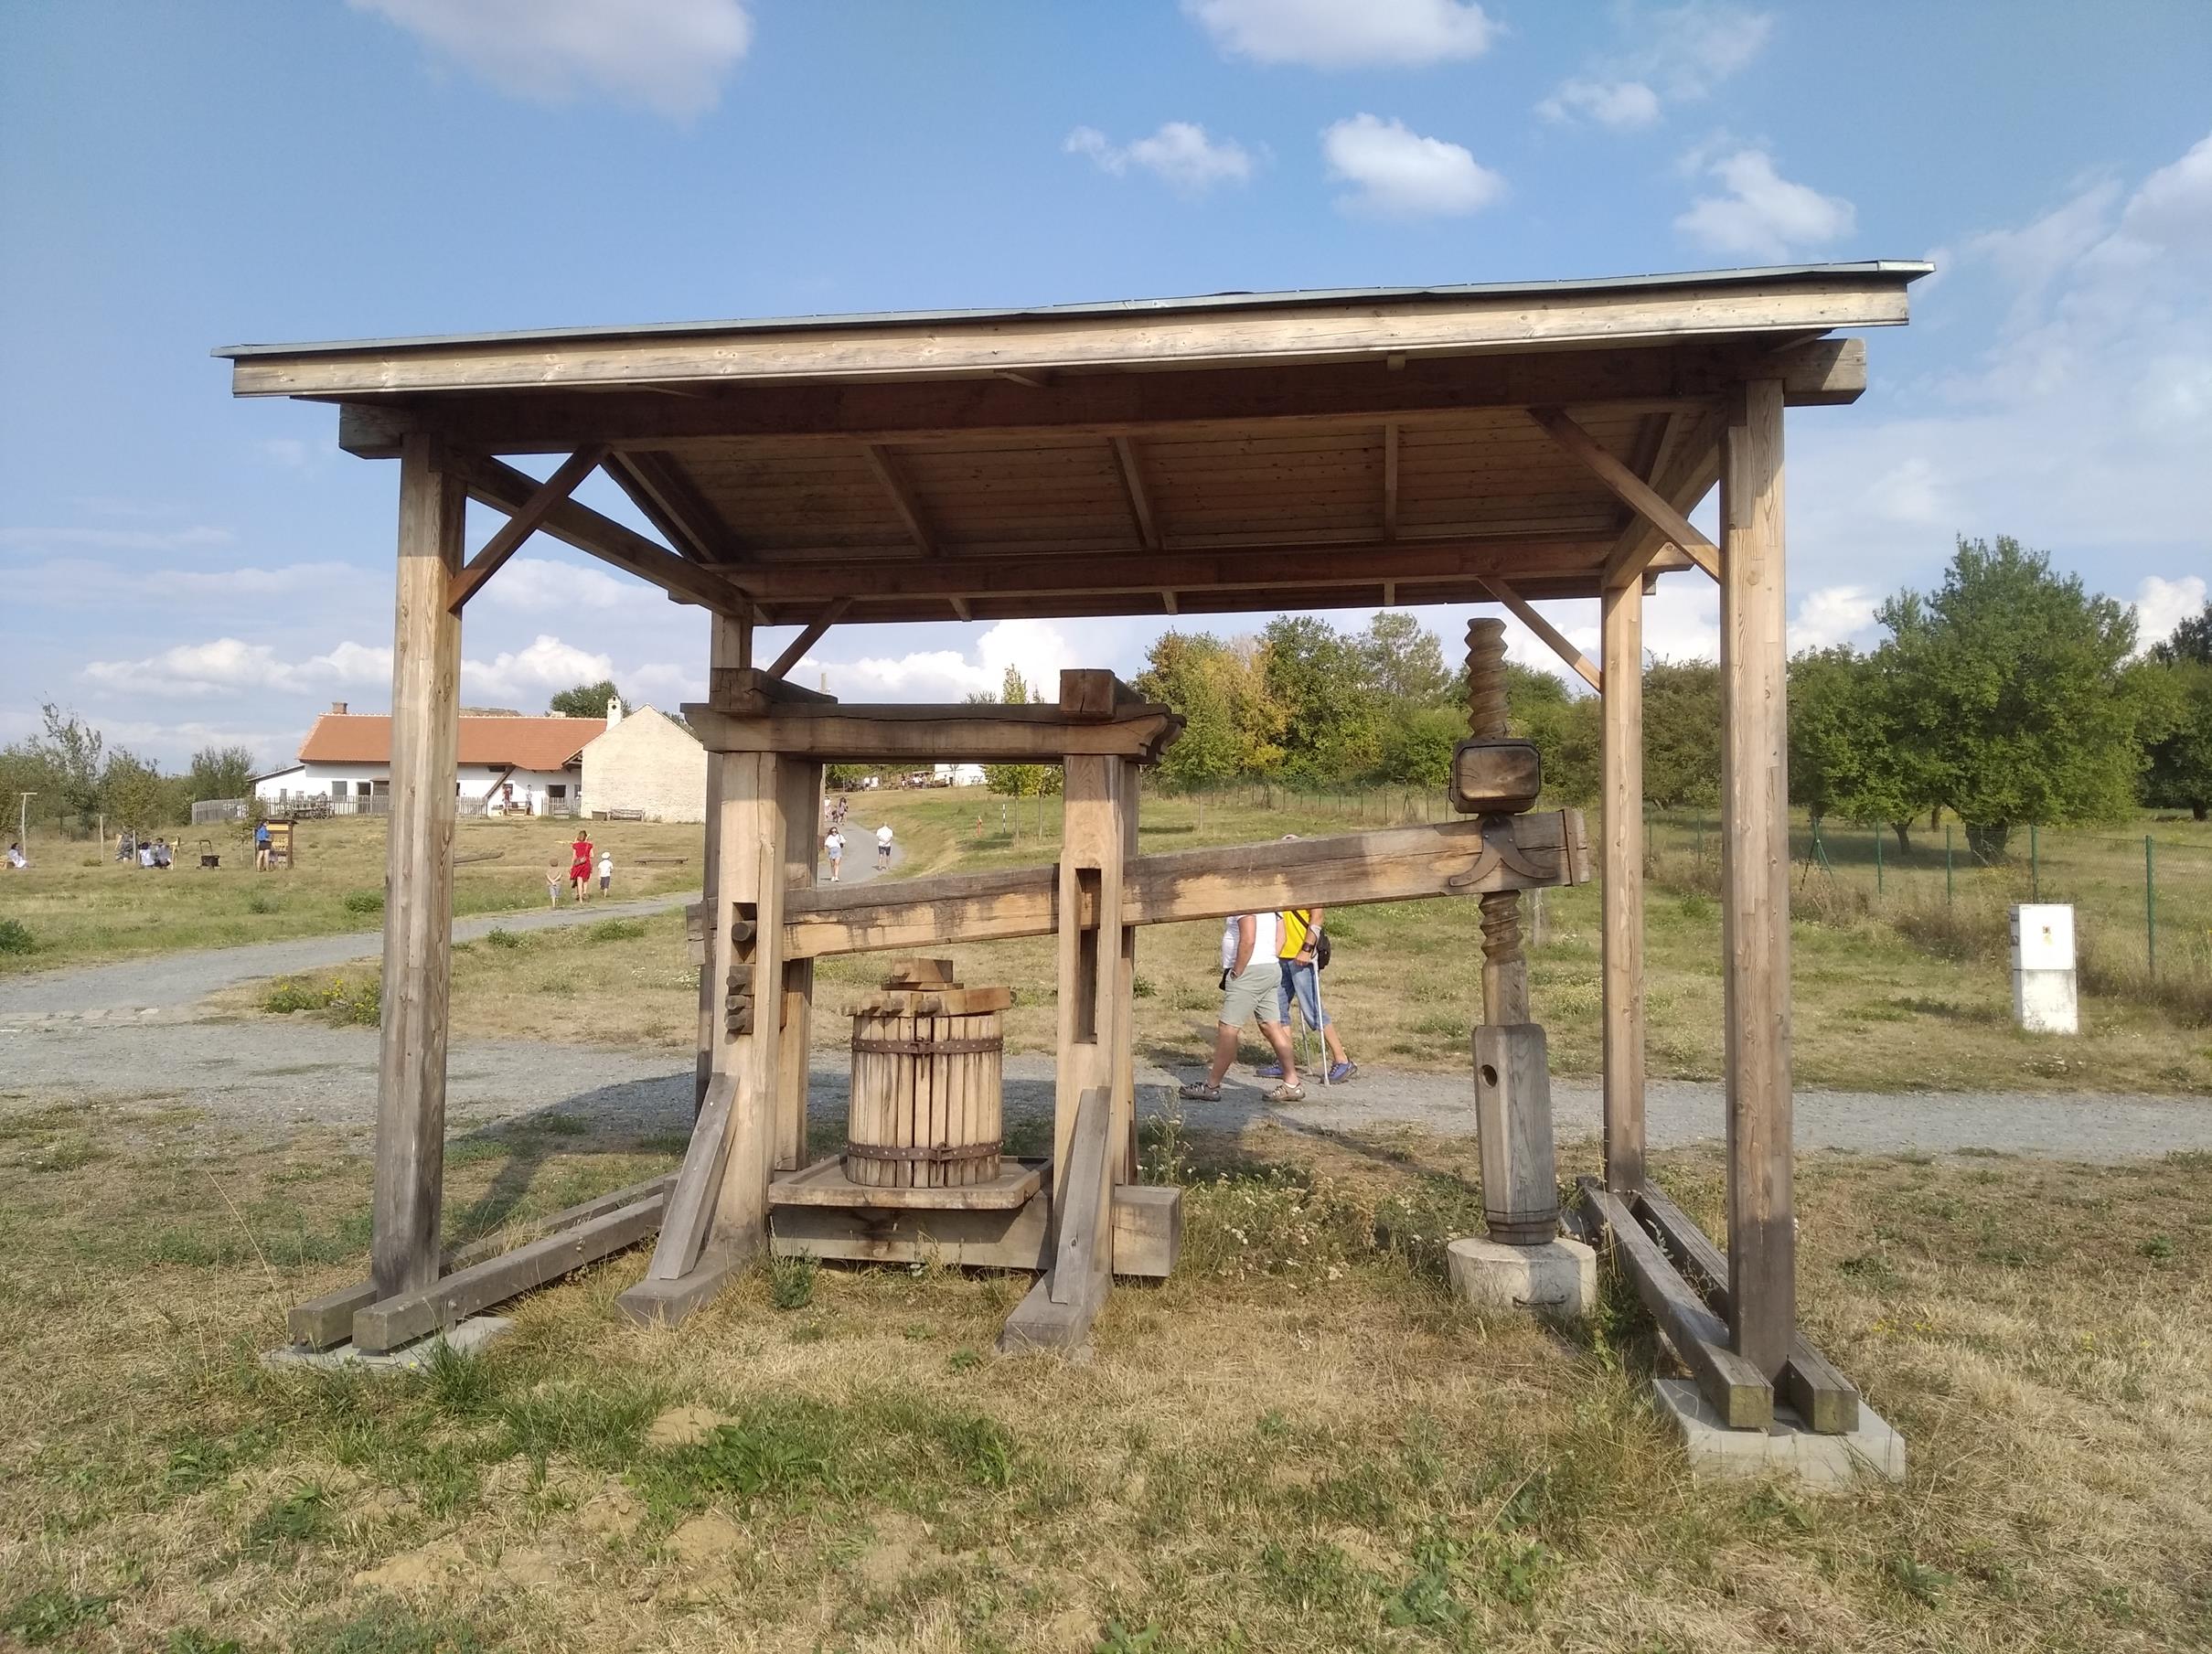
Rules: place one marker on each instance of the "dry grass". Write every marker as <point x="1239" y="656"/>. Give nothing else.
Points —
<point x="1298" y="1442"/>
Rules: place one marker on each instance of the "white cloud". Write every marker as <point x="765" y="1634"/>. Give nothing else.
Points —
<point x="1912" y="492"/>
<point x="120" y="539"/>
<point x="1346" y="34"/>
<point x="1399" y="174"/>
<point x="527" y="677"/>
<point x="2163" y="604"/>
<point x="1179" y="153"/>
<point x="1035" y="648"/>
<point x="540" y="585"/>
<point x="1763" y="215"/>
<point x="230" y="667"/>
<point x="671" y="56"/>
<point x="1619" y="104"/>
<point x="1676" y="54"/>
<point x="1831" y="615"/>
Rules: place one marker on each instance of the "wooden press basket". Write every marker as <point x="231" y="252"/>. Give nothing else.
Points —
<point x="928" y="1061"/>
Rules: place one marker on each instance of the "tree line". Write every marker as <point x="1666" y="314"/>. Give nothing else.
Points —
<point x="80" y="779"/>
<point x="2009" y="695"/>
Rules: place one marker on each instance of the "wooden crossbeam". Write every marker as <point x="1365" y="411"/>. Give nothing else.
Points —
<point x="507" y="538"/>
<point x="1737" y="1389"/>
<point x="1396" y="864"/>
<point x="1689" y="464"/>
<point x="1529" y="616"/>
<point x="504" y="489"/>
<point x="1637" y="495"/>
<point x="796" y="651"/>
<point x="1390" y="480"/>
<point x="659" y="487"/>
<point x="1140" y="499"/>
<point x="886" y="466"/>
<point x="1823" y="1397"/>
<point x="849" y="731"/>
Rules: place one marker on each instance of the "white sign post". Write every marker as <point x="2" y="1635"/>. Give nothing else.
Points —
<point x="2043" y="968"/>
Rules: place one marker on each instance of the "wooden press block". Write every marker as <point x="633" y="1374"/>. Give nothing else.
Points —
<point x="1513" y="1132"/>
<point x="1495" y="777"/>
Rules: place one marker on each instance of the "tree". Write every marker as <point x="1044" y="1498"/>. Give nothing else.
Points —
<point x="221" y="772"/>
<point x="1401" y="661"/>
<point x="1681" y="733"/>
<point x="585" y="700"/>
<point x="70" y="750"/>
<point x="1231" y="725"/>
<point x="1331" y="727"/>
<point x="133" y="795"/>
<point x="1021" y="780"/>
<point x="2012" y="682"/>
<point x="1416" y="747"/>
<point x="2191" y="640"/>
<point x="2180" y="772"/>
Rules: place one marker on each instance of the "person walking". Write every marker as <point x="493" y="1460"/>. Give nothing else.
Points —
<point x="580" y="866"/>
<point x="552" y="882"/>
<point x="261" y="847"/>
<point x="1251" y="977"/>
<point x="1298" y="962"/>
<point x="834" y="847"/>
<point x="884" y="846"/>
<point x="606" y="871"/>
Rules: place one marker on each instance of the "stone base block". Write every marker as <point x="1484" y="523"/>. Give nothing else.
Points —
<point x="1821" y="1463"/>
<point x="470" y="1336"/>
<point x="1557" y="1278"/>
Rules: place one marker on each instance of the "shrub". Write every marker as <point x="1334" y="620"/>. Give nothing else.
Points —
<point x="15" y="937"/>
<point x="513" y="941"/>
<point x="791" y="1282"/>
<point x="363" y="903"/>
<point x="261" y="902"/>
<point x="345" y="1000"/>
<point x="614" y="930"/>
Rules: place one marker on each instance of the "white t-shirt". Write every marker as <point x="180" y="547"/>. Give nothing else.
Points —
<point x="606" y="865"/>
<point x="835" y="845"/>
<point x="1263" y="939"/>
<point x="884" y="834"/>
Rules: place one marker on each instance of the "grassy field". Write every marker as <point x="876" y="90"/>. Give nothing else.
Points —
<point x="1300" y="1442"/>
<point x="80" y="907"/>
<point x="1877" y="1007"/>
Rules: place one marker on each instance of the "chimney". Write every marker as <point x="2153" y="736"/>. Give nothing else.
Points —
<point x="613" y="711"/>
<point x="338" y="709"/>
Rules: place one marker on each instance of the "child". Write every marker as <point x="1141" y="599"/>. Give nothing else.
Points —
<point x="835" y="845"/>
<point x="552" y="882"/>
<point x="606" y="870"/>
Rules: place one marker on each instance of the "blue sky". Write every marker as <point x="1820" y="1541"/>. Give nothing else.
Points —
<point x="184" y="568"/>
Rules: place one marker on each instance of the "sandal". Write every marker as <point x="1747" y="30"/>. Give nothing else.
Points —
<point x="1287" y="1093"/>
<point x="1198" y="1091"/>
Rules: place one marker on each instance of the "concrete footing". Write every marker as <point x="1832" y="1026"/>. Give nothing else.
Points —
<point x="1789" y="1450"/>
<point x="1556" y="1278"/>
<point x="469" y="1337"/>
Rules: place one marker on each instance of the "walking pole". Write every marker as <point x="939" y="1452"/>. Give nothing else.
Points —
<point x="1320" y="1012"/>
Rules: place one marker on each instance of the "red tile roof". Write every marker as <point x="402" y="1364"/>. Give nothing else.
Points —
<point x="528" y="743"/>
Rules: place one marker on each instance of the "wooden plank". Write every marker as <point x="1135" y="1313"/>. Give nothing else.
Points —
<point x="419" y="877"/>
<point x="662" y="1303"/>
<point x="885" y="466"/>
<point x="507" y="538"/>
<point x="507" y="489"/>
<point x="1737" y="1389"/>
<point x="983" y="734"/>
<point x="1557" y="640"/>
<point x="402" y="1318"/>
<point x="1621" y="895"/>
<point x="1826" y="1400"/>
<point x="1140" y="500"/>
<point x="1390" y="480"/>
<point x="1689" y="464"/>
<point x="810" y="635"/>
<point x="800" y="799"/>
<point x="939" y="346"/>
<point x="1754" y="882"/>
<point x="683" y="1232"/>
<point x="1394" y="864"/>
<point x="669" y="498"/>
<point x="1148" y="1234"/>
<point x="326" y="1321"/>
<point x="1637" y="495"/>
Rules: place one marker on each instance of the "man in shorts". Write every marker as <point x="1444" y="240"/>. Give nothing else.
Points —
<point x="1252" y="978"/>
<point x="883" y="845"/>
<point x="1297" y="954"/>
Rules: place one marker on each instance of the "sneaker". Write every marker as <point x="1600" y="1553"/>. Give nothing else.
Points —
<point x="1198" y="1091"/>
<point x="1274" y="1070"/>
<point x="1287" y="1093"/>
<point x="1342" y="1072"/>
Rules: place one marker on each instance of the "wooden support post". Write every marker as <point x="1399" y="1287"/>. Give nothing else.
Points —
<point x="800" y="791"/>
<point x="1623" y="894"/>
<point x="755" y="838"/>
<point x="1124" y="1134"/>
<point x="1754" y="882"/>
<point x="729" y="651"/>
<point x="419" y="876"/>
<point x="1512" y="1085"/>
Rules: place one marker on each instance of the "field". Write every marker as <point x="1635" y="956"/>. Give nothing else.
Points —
<point x="1298" y="1443"/>
<point x="1910" y="996"/>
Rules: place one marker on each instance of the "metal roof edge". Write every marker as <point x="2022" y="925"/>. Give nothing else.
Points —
<point x="1907" y="271"/>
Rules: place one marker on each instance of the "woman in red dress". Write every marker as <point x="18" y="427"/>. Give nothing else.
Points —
<point x="580" y="866"/>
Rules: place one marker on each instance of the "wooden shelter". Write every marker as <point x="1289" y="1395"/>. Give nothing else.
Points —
<point x="1490" y="444"/>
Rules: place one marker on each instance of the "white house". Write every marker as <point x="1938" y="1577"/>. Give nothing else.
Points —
<point x="508" y="764"/>
<point x="645" y="763"/>
<point x="960" y="775"/>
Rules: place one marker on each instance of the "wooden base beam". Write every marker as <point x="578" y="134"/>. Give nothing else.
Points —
<point x="1148" y="1234"/>
<point x="662" y="1303"/>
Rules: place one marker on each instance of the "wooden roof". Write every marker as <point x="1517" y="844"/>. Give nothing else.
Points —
<point x="1238" y="451"/>
<point x="542" y="744"/>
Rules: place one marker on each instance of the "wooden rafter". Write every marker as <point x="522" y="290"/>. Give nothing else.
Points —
<point x="507" y="538"/>
<point x="1689" y="464"/>
<point x="1637" y="495"/>
<point x="886" y="466"/>
<point x="1140" y="499"/>
<point x="658" y="487"/>
<point x="504" y="489"/>
<point x="1530" y="616"/>
<point x="1390" y="480"/>
<point x="797" y="650"/>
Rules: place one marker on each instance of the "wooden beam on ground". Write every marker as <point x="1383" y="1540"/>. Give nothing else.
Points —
<point x="535" y="418"/>
<point x="881" y="461"/>
<point x="1737" y="1389"/>
<point x="1754" y="882"/>
<point x="507" y="489"/>
<point x="797" y="650"/>
<point x="418" y="876"/>
<point x="507" y="538"/>
<point x="1058" y="1310"/>
<point x="1541" y="849"/>
<point x="326" y="1321"/>
<point x="1390" y="480"/>
<point x="1621" y="896"/>
<point x="1148" y="1234"/>
<point x="659" y="487"/>
<point x="402" y="1318"/>
<point x="1140" y="499"/>
<point x="981" y="732"/>
<point x="652" y="1302"/>
<point x="1637" y="495"/>
<point x="1530" y="616"/>
<point x="1688" y="465"/>
<point x="1823" y="1397"/>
